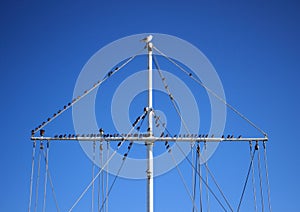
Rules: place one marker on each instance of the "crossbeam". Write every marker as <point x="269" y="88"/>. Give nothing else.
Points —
<point x="142" y="138"/>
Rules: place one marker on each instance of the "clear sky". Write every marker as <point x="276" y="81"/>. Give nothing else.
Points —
<point x="254" y="47"/>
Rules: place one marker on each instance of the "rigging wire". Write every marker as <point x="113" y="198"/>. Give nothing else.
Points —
<point x="253" y="180"/>
<point x="38" y="178"/>
<point x="267" y="176"/>
<point x="181" y="176"/>
<point x="198" y="162"/>
<point x="211" y="91"/>
<point x="260" y="177"/>
<point x="246" y="181"/>
<point x="31" y="177"/>
<point x="218" y="186"/>
<point x="46" y="171"/>
<point x="93" y="173"/>
<point x="211" y="191"/>
<point x="107" y="161"/>
<point x="51" y="184"/>
<point x="100" y="180"/>
<point x="194" y="176"/>
<point x="179" y="114"/>
<point x="206" y="179"/>
<point x="117" y="175"/>
<point x="189" y="161"/>
<point x="169" y="93"/>
<point x="123" y="161"/>
<point x="96" y="85"/>
<point x="107" y="179"/>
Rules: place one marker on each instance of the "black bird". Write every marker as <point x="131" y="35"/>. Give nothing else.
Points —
<point x="42" y="132"/>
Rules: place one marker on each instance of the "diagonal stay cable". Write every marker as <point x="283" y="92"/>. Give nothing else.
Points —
<point x="182" y="179"/>
<point x="211" y="92"/>
<point x="117" y="175"/>
<point x="123" y="161"/>
<point x="205" y="183"/>
<point x="219" y="188"/>
<point x="209" y="188"/>
<point x="96" y="85"/>
<point x="179" y="114"/>
<point x="170" y="94"/>
<point x="246" y="181"/>
<point x="107" y="162"/>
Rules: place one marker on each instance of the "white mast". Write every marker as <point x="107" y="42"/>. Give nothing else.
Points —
<point x="150" y="130"/>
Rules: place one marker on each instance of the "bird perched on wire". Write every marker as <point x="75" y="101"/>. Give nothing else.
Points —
<point x="147" y="39"/>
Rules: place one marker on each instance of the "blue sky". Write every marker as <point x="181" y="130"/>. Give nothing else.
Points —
<point x="253" y="46"/>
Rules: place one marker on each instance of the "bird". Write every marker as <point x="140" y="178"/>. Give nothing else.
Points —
<point x="147" y="39"/>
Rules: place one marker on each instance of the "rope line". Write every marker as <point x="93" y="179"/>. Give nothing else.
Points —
<point x="198" y="156"/>
<point x="253" y="180"/>
<point x="31" y="176"/>
<point x="74" y="101"/>
<point x="46" y="171"/>
<point x="211" y="91"/>
<point x="208" y="187"/>
<point x="194" y="176"/>
<point x="93" y="173"/>
<point x="218" y="186"/>
<point x="189" y="161"/>
<point x="179" y="114"/>
<point x="52" y="187"/>
<point x="170" y="94"/>
<point x="100" y="181"/>
<point x="246" y="181"/>
<point x="182" y="179"/>
<point x="107" y="179"/>
<point x="206" y="180"/>
<point x="117" y="175"/>
<point x="107" y="162"/>
<point x="260" y="178"/>
<point x="267" y="176"/>
<point x="38" y="178"/>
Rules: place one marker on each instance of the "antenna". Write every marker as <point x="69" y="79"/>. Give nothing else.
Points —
<point x="148" y="138"/>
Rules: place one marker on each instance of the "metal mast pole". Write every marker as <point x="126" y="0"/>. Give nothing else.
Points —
<point x="150" y="132"/>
